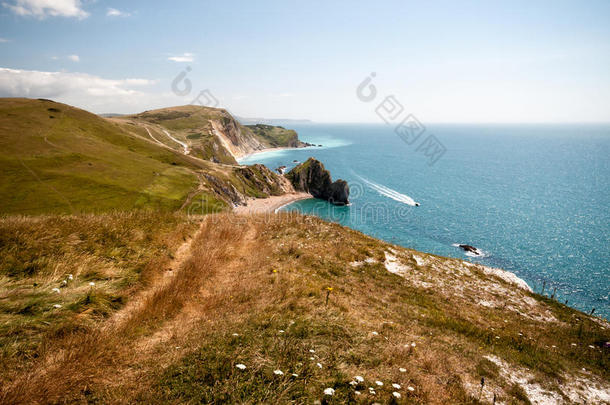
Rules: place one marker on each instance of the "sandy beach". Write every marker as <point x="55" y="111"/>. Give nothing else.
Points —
<point x="270" y="204"/>
<point x="247" y="155"/>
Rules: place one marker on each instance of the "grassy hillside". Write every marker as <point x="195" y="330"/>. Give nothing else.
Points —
<point x="276" y="136"/>
<point x="189" y="124"/>
<point x="119" y="253"/>
<point x="210" y="133"/>
<point x="60" y="159"/>
<point x="318" y="302"/>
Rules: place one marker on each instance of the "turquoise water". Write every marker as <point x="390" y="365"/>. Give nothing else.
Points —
<point x="535" y="199"/>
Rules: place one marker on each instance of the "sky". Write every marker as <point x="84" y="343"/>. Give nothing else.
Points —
<point x="442" y="61"/>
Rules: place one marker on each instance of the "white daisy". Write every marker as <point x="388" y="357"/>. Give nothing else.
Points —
<point x="312" y="351"/>
<point x="295" y="375"/>
<point x="353" y="383"/>
<point x="70" y="277"/>
<point x="402" y="370"/>
<point x="319" y="365"/>
<point x="56" y="290"/>
<point x="56" y="306"/>
<point x="359" y="378"/>
<point x="357" y="392"/>
<point x="411" y="388"/>
<point x="92" y="284"/>
<point x="374" y="333"/>
<point x="379" y="383"/>
<point x="236" y="334"/>
<point x="241" y="366"/>
<point x="396" y="394"/>
<point x="278" y="372"/>
<point x="329" y="391"/>
<point x="397" y="386"/>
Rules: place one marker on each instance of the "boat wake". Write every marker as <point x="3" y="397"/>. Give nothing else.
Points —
<point x="388" y="192"/>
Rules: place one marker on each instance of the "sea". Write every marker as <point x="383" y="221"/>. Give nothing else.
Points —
<point x="533" y="199"/>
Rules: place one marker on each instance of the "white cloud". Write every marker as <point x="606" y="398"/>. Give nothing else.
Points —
<point x="83" y="90"/>
<point x="73" y="58"/>
<point x="185" y="57"/>
<point x="46" y="8"/>
<point x="4" y="40"/>
<point x="113" y="12"/>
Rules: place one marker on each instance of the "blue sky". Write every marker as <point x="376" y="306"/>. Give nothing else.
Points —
<point x="444" y="61"/>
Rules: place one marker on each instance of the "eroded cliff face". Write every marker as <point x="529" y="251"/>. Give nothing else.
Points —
<point x="245" y="182"/>
<point x="311" y="177"/>
<point x="206" y="133"/>
<point x="239" y="141"/>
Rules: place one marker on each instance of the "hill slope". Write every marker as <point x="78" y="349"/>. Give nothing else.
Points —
<point x="209" y="133"/>
<point x="303" y="304"/>
<point x="60" y="159"/>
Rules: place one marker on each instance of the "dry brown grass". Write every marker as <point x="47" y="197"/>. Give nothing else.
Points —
<point x="257" y="275"/>
<point x="121" y="253"/>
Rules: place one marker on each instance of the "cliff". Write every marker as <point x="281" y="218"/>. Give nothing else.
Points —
<point x="190" y="308"/>
<point x="311" y="177"/>
<point x="60" y="159"/>
<point x="277" y="136"/>
<point x="209" y="133"/>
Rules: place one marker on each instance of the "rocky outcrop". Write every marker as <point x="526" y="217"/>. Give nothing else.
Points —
<point x="245" y="182"/>
<point x="311" y="177"/>
<point x="470" y="249"/>
<point x="237" y="140"/>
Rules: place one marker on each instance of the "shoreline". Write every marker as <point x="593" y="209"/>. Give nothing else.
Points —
<point x="270" y="204"/>
<point x="267" y="150"/>
<point x="258" y="152"/>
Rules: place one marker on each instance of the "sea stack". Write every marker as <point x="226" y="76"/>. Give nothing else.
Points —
<point x="311" y="177"/>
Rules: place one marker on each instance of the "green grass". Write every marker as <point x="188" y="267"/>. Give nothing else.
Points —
<point x="79" y="162"/>
<point x="193" y="125"/>
<point x="275" y="136"/>
<point x="203" y="203"/>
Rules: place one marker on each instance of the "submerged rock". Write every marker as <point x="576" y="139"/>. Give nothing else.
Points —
<point x="470" y="249"/>
<point x="311" y="177"/>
